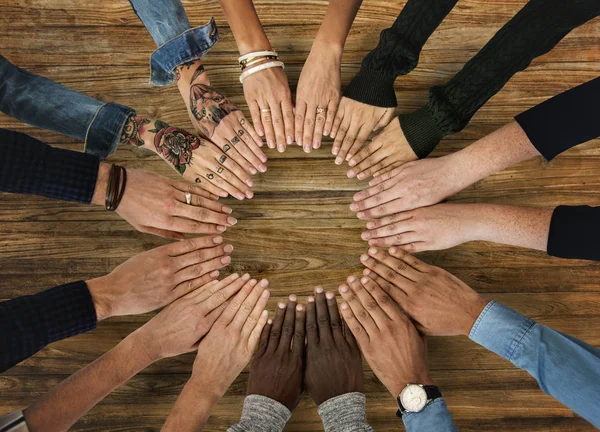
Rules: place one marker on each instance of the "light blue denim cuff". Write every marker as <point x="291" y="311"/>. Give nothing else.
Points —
<point x="501" y="330"/>
<point x="104" y="133"/>
<point x="435" y="417"/>
<point x="193" y="44"/>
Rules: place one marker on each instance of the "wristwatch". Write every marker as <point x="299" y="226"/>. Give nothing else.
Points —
<point x="415" y="397"/>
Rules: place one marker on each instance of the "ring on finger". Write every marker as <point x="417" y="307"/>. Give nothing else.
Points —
<point x="188" y="198"/>
<point x="320" y="110"/>
<point x="265" y="110"/>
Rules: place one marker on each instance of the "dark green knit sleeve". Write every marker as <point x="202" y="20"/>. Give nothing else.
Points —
<point x="398" y="52"/>
<point x="532" y="32"/>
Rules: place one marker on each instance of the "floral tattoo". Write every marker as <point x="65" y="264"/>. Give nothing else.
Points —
<point x="175" y="145"/>
<point x="132" y="129"/>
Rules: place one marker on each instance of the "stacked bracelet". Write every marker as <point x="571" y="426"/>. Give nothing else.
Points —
<point x="117" y="180"/>
<point x="257" y="61"/>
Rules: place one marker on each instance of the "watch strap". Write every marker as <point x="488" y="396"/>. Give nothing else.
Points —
<point x="432" y="392"/>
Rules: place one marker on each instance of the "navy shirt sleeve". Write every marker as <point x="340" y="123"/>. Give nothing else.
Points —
<point x="30" y="166"/>
<point x="564" y="121"/>
<point x="575" y="233"/>
<point x="29" y="323"/>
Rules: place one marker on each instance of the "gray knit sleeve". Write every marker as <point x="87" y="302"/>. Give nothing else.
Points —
<point x="345" y="413"/>
<point x="262" y="414"/>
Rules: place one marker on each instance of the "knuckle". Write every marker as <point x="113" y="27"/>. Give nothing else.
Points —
<point x="323" y="320"/>
<point x="220" y="297"/>
<point x="310" y="327"/>
<point x="287" y="329"/>
<point x="397" y="238"/>
<point x="200" y="255"/>
<point x="370" y="304"/>
<point x="362" y="314"/>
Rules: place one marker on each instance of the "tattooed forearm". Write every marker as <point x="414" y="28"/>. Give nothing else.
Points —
<point x="209" y="107"/>
<point x="186" y="65"/>
<point x="132" y="131"/>
<point x="175" y="145"/>
<point x="199" y="71"/>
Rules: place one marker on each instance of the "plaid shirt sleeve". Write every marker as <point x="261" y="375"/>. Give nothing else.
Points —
<point x="29" y="323"/>
<point x="30" y="166"/>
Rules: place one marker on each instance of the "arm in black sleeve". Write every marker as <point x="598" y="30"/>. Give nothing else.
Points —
<point x="398" y="52"/>
<point x="532" y="32"/>
<point x="29" y="323"/>
<point x="564" y="121"/>
<point x="575" y="233"/>
<point x="30" y="166"/>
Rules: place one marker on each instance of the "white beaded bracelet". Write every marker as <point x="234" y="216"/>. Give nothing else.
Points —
<point x="271" y="64"/>
<point x="256" y="54"/>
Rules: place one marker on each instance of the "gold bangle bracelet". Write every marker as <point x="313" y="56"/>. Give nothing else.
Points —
<point x="256" y="61"/>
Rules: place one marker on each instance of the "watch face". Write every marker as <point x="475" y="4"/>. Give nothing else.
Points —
<point x="413" y="398"/>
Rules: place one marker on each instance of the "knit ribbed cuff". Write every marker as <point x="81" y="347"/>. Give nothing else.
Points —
<point x="344" y="413"/>
<point x="262" y="414"/>
<point x="372" y="88"/>
<point x="421" y="131"/>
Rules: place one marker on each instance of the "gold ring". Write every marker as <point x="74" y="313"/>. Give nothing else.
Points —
<point x="265" y="110"/>
<point x="320" y="110"/>
<point x="188" y="198"/>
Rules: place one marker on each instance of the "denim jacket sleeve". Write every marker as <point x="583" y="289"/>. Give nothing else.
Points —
<point x="435" y="417"/>
<point x="177" y="42"/>
<point x="46" y="104"/>
<point x="564" y="367"/>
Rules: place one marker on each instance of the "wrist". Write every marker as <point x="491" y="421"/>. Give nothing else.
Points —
<point x="422" y="378"/>
<point x="472" y="312"/>
<point x="139" y="355"/>
<point x="98" y="288"/>
<point x="101" y="184"/>
<point x="327" y="47"/>
<point x="208" y="390"/>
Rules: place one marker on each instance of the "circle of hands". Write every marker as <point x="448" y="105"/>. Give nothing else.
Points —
<point x="218" y="161"/>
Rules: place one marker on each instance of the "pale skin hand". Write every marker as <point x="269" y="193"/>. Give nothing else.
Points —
<point x="428" y="181"/>
<point x="388" y="150"/>
<point x="353" y="124"/>
<point x="175" y="330"/>
<point x="198" y="160"/>
<point x="217" y="119"/>
<point x="443" y="226"/>
<point x="222" y="355"/>
<point x="266" y="90"/>
<point x="393" y="347"/>
<point x="156" y="277"/>
<point x="440" y="303"/>
<point x="156" y="205"/>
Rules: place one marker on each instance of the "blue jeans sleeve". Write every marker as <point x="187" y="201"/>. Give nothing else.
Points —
<point x="435" y="417"/>
<point x="177" y="42"/>
<point x="564" y="367"/>
<point x="43" y="103"/>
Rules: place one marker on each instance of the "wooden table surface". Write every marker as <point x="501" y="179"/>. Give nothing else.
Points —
<point x="298" y="231"/>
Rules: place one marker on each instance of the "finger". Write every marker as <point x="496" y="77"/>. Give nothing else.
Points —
<point x="376" y="162"/>
<point x="309" y="127"/>
<point x="368" y="302"/>
<point x="299" y="334"/>
<point x="212" y="287"/>
<point x="203" y="215"/>
<point x="287" y="330"/>
<point x="278" y="125"/>
<point x="348" y="335"/>
<point x="385" y="177"/>
<point x="361" y="314"/>
<point x="275" y="336"/>
<point x="245" y="124"/>
<point x="299" y="121"/>
<point x="377" y="200"/>
<point x="224" y="293"/>
<point x="320" y="117"/>
<point x="264" y="339"/>
<point x="375" y="190"/>
<point x="186" y="246"/>
<point x="340" y="135"/>
<point x="199" y="200"/>
<point x="189" y="226"/>
<point x="287" y="109"/>
<point x="389" y="168"/>
<point x="236" y="302"/>
<point x="198" y="256"/>
<point x="195" y="190"/>
<point x="388" y="274"/>
<point x="215" y="314"/>
<point x="256" y="118"/>
<point x="204" y="183"/>
<point x="217" y="180"/>
<point x="361" y="137"/>
<point x="394" y="292"/>
<point x="197" y="270"/>
<point x="403" y="240"/>
<point x="412" y="261"/>
<point x="259" y="307"/>
<point x="234" y="148"/>
<point x="161" y="232"/>
<point x="349" y="139"/>
<point x="331" y="111"/>
<point x="388" y="207"/>
<point x="384" y="301"/>
<point x="322" y="314"/>
<point x="247" y="306"/>
<point x="312" y="331"/>
<point x="194" y="284"/>
<point x="234" y="175"/>
<point x="401" y="223"/>
<point x="255" y="334"/>
<point x="364" y="153"/>
<point x="267" y="122"/>
<point x="398" y="265"/>
<point x="251" y="151"/>
<point x="358" y="331"/>
<point x="334" y="316"/>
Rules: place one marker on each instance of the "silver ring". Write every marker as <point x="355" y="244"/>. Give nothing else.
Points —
<point x="188" y="198"/>
<point x="320" y="110"/>
<point x="265" y="110"/>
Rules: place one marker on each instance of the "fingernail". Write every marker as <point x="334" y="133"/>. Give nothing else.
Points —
<point x="338" y="160"/>
<point x="348" y="157"/>
<point x="240" y="196"/>
<point x="249" y="194"/>
<point x="352" y="162"/>
<point x="249" y="182"/>
<point x="351" y="279"/>
<point x="307" y="148"/>
<point x="299" y="308"/>
<point x="214" y="274"/>
<point x="253" y="282"/>
<point x="281" y="305"/>
<point x="316" y="144"/>
<point x="221" y="228"/>
<point x="281" y="148"/>
<point x="325" y="132"/>
<point x="393" y="250"/>
<point x="223" y="194"/>
<point x="263" y="158"/>
<point x="217" y="240"/>
<point x="366" y="235"/>
<point x="226" y="209"/>
<point x="299" y="141"/>
<point x="269" y="321"/>
<point x="360" y="215"/>
<point x="366" y="272"/>
<point x="225" y="260"/>
<point x="344" y="306"/>
<point x="260" y="132"/>
<point x="310" y="299"/>
<point x="332" y="135"/>
<point x="290" y="139"/>
<point x="361" y="176"/>
<point x="357" y="197"/>
<point x="231" y="220"/>
<point x="351" y="173"/>
<point x="246" y="276"/>
<point x="365" y="280"/>
<point x="270" y="143"/>
<point x="264" y="283"/>
<point x="344" y="289"/>
<point x="370" y="225"/>
<point x="262" y="168"/>
<point x="228" y="248"/>
<point x="373" y="242"/>
<point x="354" y="207"/>
<point x="252" y="171"/>
<point x="293" y="298"/>
<point x="364" y="257"/>
<point x="335" y="150"/>
<point x="373" y="251"/>
<point x="329" y="295"/>
<point x="319" y="290"/>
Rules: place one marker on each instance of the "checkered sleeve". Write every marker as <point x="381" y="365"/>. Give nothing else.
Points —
<point x="30" y="166"/>
<point x="29" y="323"/>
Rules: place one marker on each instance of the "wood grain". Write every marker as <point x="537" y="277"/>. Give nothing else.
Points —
<point x="298" y="231"/>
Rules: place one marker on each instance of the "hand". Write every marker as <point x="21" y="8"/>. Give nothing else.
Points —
<point x="388" y="150"/>
<point x="157" y="277"/>
<point x="353" y="124"/>
<point x="218" y="120"/>
<point x="270" y="101"/>
<point x="156" y="205"/>
<point x="333" y="361"/>
<point x="228" y="347"/>
<point x="395" y="350"/>
<point x="440" y="303"/>
<point x="198" y="160"/>
<point x="441" y="226"/>
<point x="278" y="367"/>
<point x="179" y="327"/>
<point x="318" y="88"/>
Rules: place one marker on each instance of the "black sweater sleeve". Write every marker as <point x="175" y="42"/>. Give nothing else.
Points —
<point x="30" y="166"/>
<point x="575" y="232"/>
<point x="398" y="52"/>
<point x="564" y="121"/>
<point x="29" y="323"/>
<point x="533" y="31"/>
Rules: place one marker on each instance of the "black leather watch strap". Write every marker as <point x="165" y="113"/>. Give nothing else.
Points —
<point x="432" y="392"/>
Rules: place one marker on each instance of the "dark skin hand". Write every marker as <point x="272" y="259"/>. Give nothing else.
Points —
<point x="278" y="366"/>
<point x="333" y="359"/>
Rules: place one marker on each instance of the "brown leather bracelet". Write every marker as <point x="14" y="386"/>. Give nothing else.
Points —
<point x="115" y="189"/>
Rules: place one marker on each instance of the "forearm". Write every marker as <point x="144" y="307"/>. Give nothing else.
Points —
<point x="193" y="407"/>
<point x="245" y="25"/>
<point x="552" y="358"/>
<point x="70" y="400"/>
<point x="338" y="20"/>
